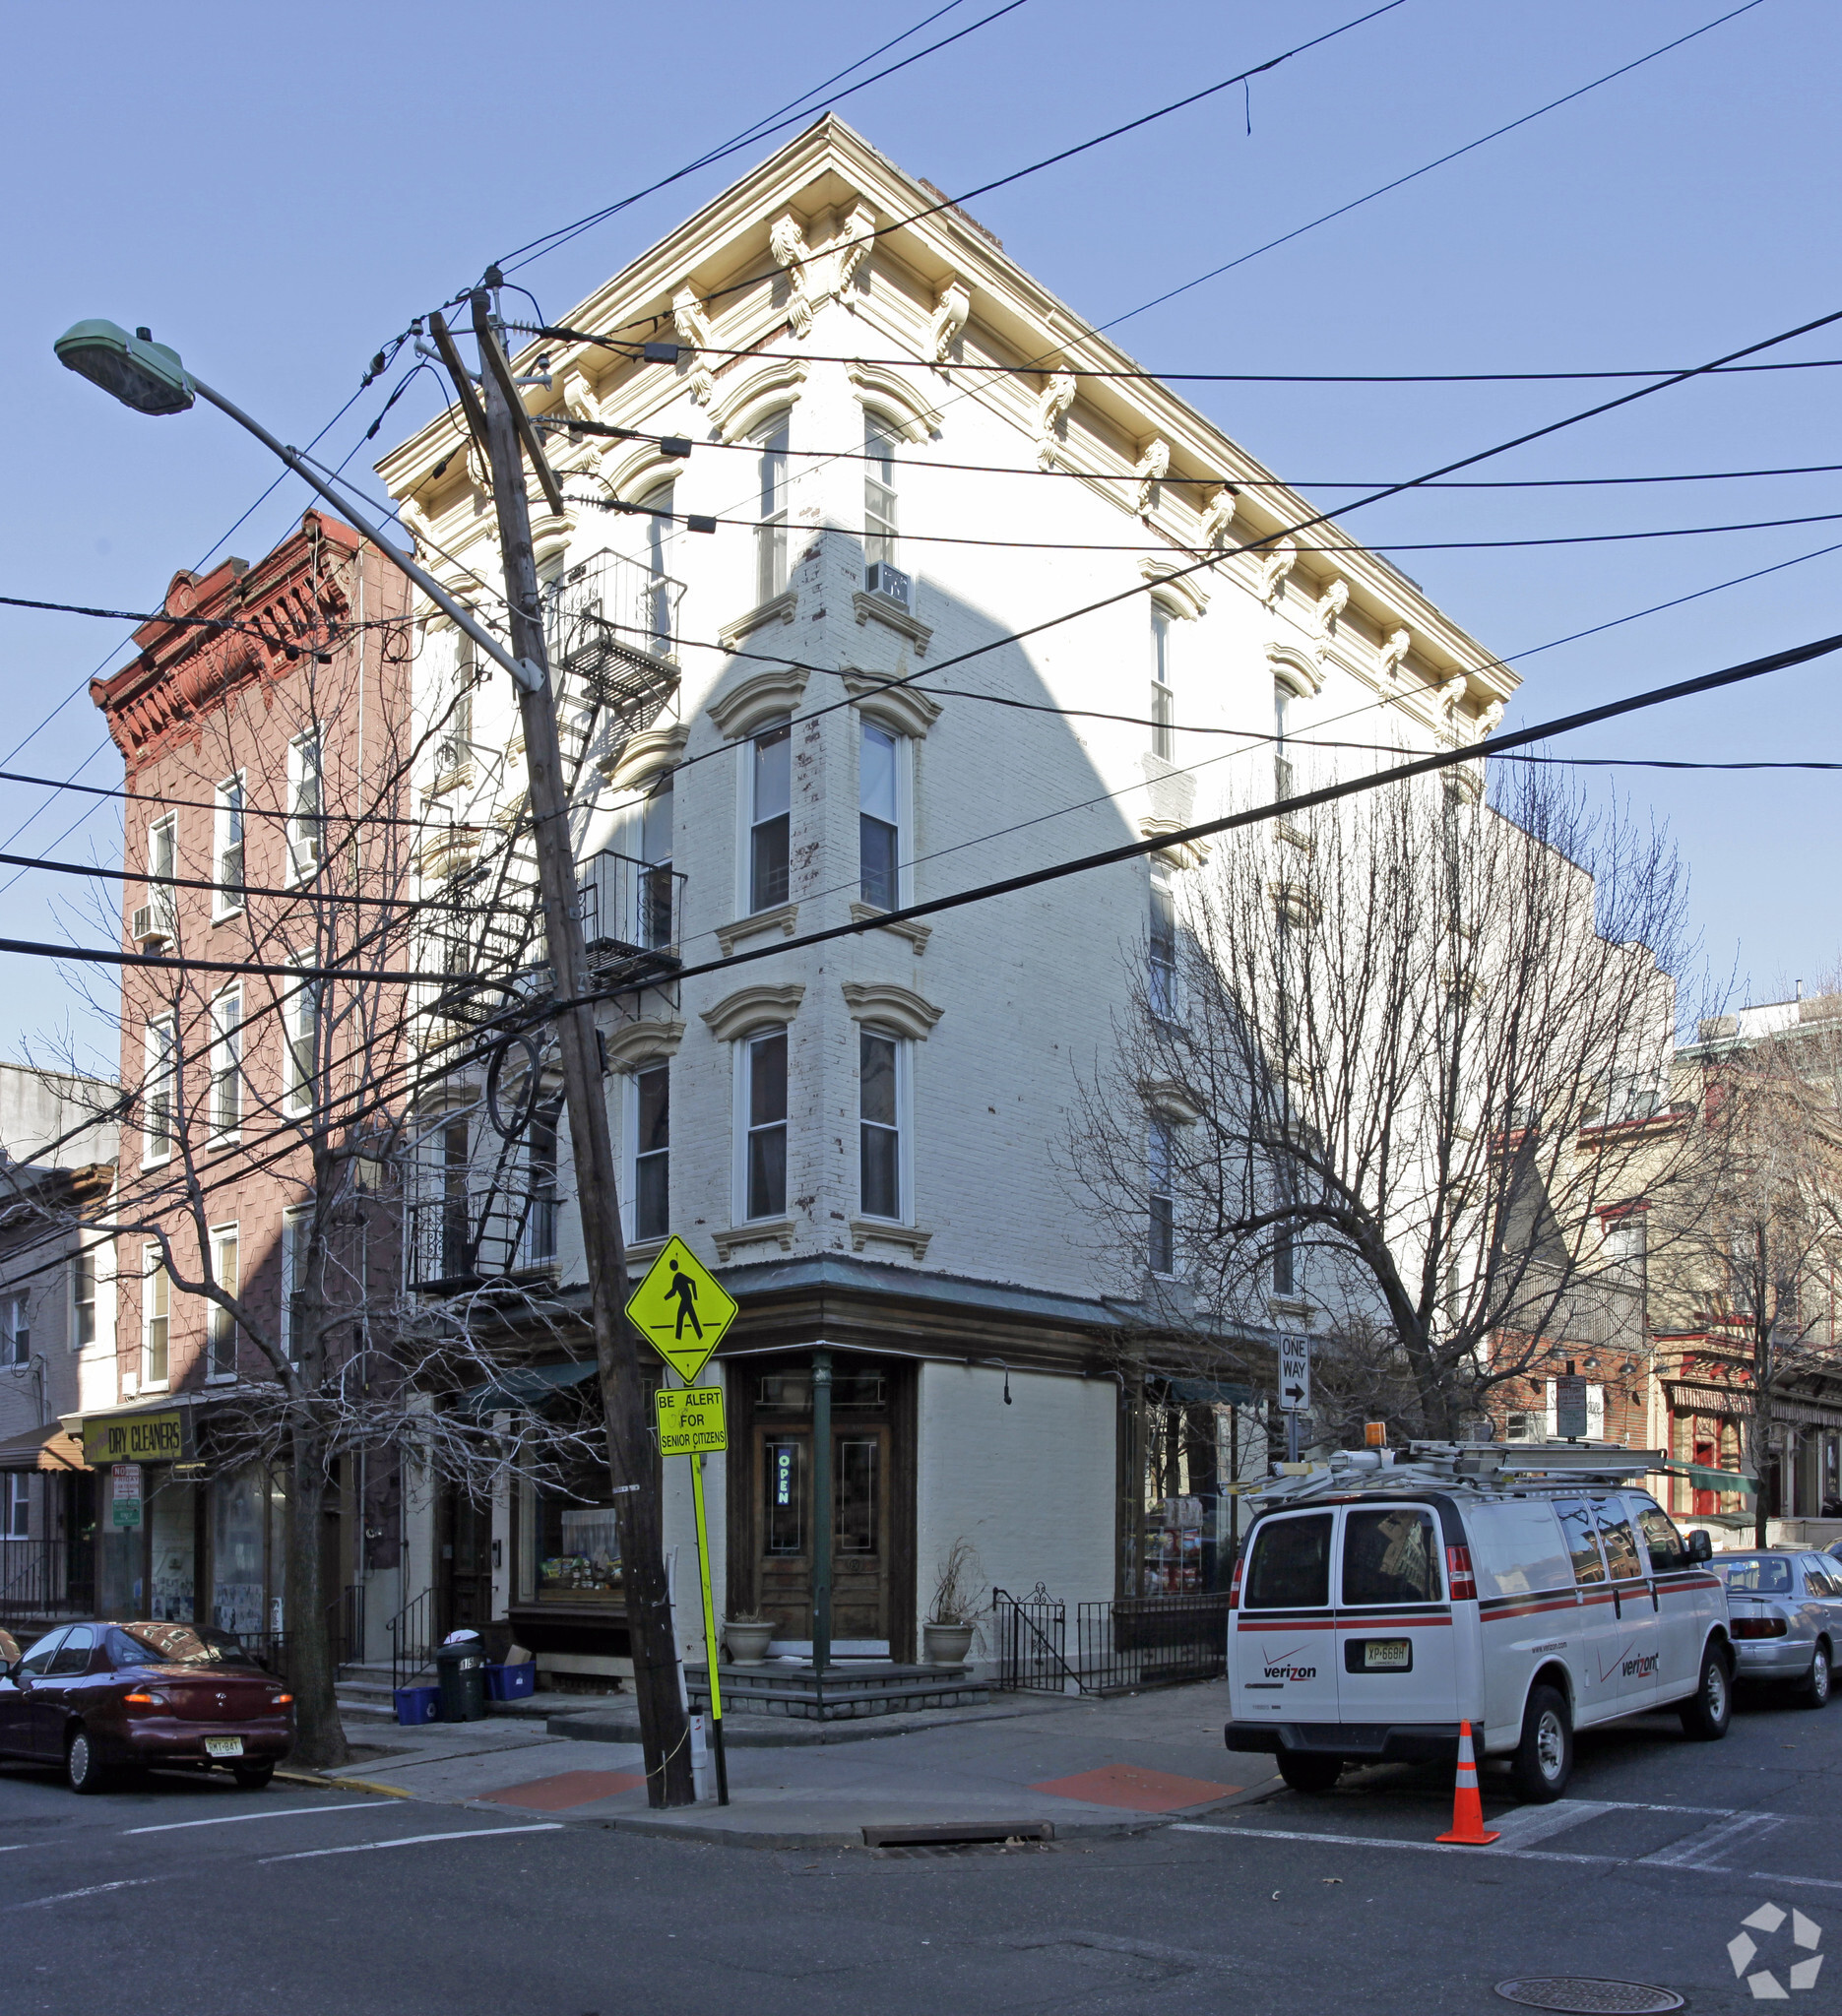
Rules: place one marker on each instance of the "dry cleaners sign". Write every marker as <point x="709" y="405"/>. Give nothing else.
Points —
<point x="135" y="1438"/>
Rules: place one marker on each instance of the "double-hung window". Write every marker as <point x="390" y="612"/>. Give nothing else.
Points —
<point x="1161" y="965"/>
<point x="657" y="924"/>
<point x="882" y="759"/>
<point x="540" y="1242"/>
<point x="219" y="1324"/>
<point x="764" y="1167"/>
<point x="162" y="865"/>
<point x="17" y="1510"/>
<point x="306" y="811"/>
<point x="1281" y="762"/>
<point x="296" y="1236"/>
<point x="880" y="1063"/>
<point x="1160" y="1255"/>
<point x="156" y="1092"/>
<point x="156" y="1318"/>
<point x="300" y="1021"/>
<point x="16" y="1331"/>
<point x="649" y="1103"/>
<point x="769" y="816"/>
<point x="660" y="504"/>
<point x="83" y="1297"/>
<point x="454" y="743"/>
<point x="227" y="847"/>
<point x="1162" y="694"/>
<point x="1285" y="1262"/>
<point x="771" y="534"/>
<point x="880" y="501"/>
<point x="226" y="1064"/>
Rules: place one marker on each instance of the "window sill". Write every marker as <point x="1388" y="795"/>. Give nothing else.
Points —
<point x="783" y="918"/>
<point x="917" y="934"/>
<point x="646" y="1250"/>
<point x="780" y="1230"/>
<point x="893" y="616"/>
<point x="453" y="780"/>
<point x="155" y="1386"/>
<point x="220" y="1378"/>
<point x="778" y="608"/>
<point x="1295" y="1308"/>
<point x="889" y="1233"/>
<point x="227" y="917"/>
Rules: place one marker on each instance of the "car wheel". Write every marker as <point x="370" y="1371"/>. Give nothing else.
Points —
<point x="1309" y="1770"/>
<point x="82" y="1763"/>
<point x="1544" y="1759"/>
<point x="1813" y="1689"/>
<point x="252" y="1777"/>
<point x="1708" y="1710"/>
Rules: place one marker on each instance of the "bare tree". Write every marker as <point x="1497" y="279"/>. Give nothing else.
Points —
<point x="1386" y="1068"/>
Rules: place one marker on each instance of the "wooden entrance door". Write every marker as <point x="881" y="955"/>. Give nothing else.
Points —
<point x="861" y="1530"/>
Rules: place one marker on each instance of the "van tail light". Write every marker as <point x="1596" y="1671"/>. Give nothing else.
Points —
<point x="1234" y="1588"/>
<point x="1459" y="1576"/>
<point x="1759" y="1627"/>
<point x="140" y="1700"/>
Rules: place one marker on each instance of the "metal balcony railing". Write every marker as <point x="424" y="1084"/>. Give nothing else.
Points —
<point x="611" y="624"/>
<point x="631" y="911"/>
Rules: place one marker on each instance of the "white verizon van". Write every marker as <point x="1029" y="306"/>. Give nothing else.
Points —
<point x="1527" y="1588"/>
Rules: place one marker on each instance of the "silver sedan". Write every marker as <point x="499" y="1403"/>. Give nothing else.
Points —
<point x="1784" y="1613"/>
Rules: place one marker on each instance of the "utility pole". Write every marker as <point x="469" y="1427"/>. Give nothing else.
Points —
<point x="663" y="1731"/>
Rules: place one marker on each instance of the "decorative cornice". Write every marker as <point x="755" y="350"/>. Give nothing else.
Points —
<point x="890" y="705"/>
<point x="896" y="1007"/>
<point x="1186" y="854"/>
<point x="894" y="617"/>
<point x="1182" y="593"/>
<point x="765" y="1005"/>
<point x="952" y="305"/>
<point x="778" y="608"/>
<point x="693" y="332"/>
<point x="895" y="399"/>
<point x="1052" y="417"/>
<point x="1151" y="469"/>
<point x="641" y="1042"/>
<point x="642" y="757"/>
<point x="756" y="700"/>
<point x="1276" y="561"/>
<point x="903" y="927"/>
<point x="1171" y="1102"/>
<point x="783" y="918"/>
<point x="1295" y="668"/>
<point x="446" y="851"/>
<point x="778" y="383"/>
<point x="1391" y="654"/>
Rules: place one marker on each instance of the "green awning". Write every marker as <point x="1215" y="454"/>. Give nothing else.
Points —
<point x="528" y="1386"/>
<point x="1705" y="1480"/>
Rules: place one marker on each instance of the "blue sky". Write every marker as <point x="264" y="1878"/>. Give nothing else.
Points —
<point x="278" y="192"/>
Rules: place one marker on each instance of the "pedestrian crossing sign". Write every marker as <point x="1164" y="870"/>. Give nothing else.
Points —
<point x="681" y="1309"/>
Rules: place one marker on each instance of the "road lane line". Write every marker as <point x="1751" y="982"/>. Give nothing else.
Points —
<point x="1526" y="1825"/>
<point x="415" y="1840"/>
<point x="1700" y="1850"/>
<point x="93" y="1890"/>
<point x="229" y="1820"/>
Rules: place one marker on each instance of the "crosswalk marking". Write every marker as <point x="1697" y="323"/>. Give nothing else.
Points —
<point x="415" y="1840"/>
<point x="229" y="1820"/>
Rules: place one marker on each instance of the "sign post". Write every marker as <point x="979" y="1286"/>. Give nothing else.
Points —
<point x="682" y="1310"/>
<point x="1295" y="1387"/>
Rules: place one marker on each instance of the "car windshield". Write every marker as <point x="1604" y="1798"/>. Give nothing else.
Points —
<point x="176" y="1645"/>
<point x="1758" y="1575"/>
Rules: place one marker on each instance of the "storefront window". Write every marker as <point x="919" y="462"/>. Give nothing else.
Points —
<point x="236" y="1592"/>
<point x="578" y="1552"/>
<point x="173" y="1548"/>
<point x="853" y="1522"/>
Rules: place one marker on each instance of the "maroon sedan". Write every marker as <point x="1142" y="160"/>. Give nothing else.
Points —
<point x="96" y="1697"/>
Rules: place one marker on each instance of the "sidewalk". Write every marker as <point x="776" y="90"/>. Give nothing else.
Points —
<point x="1038" y="1766"/>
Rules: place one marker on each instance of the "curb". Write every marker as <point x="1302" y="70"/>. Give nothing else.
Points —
<point x="853" y="1836"/>
<point x="325" y="1783"/>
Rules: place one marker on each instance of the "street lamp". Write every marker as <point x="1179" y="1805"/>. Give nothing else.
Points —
<point x="149" y="377"/>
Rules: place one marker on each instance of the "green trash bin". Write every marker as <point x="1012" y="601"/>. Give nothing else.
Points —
<point x="461" y="1669"/>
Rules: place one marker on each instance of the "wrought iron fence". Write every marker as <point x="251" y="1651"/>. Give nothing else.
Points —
<point x="45" y="1581"/>
<point x="1120" y="1647"/>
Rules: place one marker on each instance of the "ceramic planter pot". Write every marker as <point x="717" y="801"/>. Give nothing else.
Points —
<point x="946" y="1644"/>
<point x="747" y="1643"/>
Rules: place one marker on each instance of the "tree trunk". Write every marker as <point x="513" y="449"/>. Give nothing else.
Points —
<point x="319" y="1735"/>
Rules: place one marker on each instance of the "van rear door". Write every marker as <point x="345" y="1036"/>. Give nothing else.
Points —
<point x="1396" y="1659"/>
<point x="1283" y="1638"/>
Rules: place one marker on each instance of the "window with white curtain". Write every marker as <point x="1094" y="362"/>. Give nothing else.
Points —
<point x="156" y="1318"/>
<point x="82" y="1280"/>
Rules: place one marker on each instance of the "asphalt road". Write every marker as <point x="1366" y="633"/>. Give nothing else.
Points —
<point x="187" y="1893"/>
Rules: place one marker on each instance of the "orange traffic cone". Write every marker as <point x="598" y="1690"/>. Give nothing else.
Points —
<point x="1468" y="1828"/>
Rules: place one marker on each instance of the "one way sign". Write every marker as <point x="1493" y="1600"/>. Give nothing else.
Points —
<point x="1295" y="1374"/>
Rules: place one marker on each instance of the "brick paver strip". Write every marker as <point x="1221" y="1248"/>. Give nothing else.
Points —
<point x="568" y="1789"/>
<point x="1144" y="1792"/>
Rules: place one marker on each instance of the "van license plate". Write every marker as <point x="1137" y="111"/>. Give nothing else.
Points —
<point x="1386" y="1654"/>
<point x="224" y="1746"/>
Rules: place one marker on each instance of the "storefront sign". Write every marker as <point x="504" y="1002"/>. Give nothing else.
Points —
<point x="125" y="1494"/>
<point x="135" y="1438"/>
<point x="681" y="1309"/>
<point x="690" y="1420"/>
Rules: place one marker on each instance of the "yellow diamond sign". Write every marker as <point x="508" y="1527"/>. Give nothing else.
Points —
<point x="681" y="1309"/>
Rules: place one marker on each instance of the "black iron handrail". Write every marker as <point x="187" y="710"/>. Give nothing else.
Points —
<point x="412" y="1639"/>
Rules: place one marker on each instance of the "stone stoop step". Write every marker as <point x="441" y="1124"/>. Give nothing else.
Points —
<point x="861" y="1689"/>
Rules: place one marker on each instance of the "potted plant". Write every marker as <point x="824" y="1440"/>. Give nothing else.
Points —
<point x="746" y="1638"/>
<point x="951" y="1622"/>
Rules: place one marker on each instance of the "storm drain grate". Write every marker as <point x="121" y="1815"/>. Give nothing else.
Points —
<point x="1588" y="1997"/>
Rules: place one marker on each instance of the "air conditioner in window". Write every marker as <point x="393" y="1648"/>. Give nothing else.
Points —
<point x="882" y="579"/>
<point x="153" y="923"/>
<point x="1520" y="1427"/>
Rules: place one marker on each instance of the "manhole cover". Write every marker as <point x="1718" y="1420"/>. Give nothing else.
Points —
<point x="1586" y="1997"/>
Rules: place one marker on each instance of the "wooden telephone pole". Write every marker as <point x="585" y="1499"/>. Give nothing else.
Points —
<point x="498" y="413"/>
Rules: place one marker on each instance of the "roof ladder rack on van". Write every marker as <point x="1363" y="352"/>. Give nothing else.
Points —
<point x="1459" y="1466"/>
